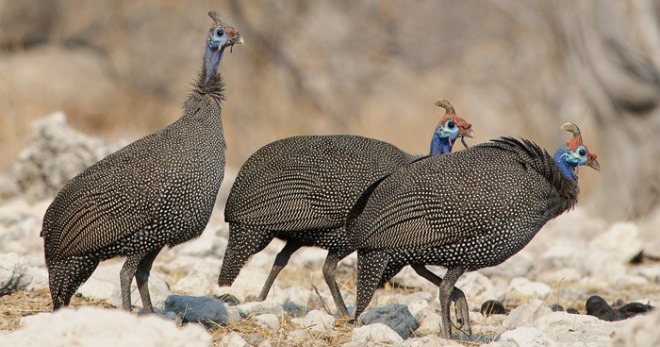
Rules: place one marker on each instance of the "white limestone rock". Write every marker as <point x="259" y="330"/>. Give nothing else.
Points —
<point x="521" y="286"/>
<point x="299" y="336"/>
<point x="639" y="331"/>
<point x="233" y="339"/>
<point x="317" y="320"/>
<point x="54" y="154"/>
<point x="14" y="273"/>
<point x="377" y="332"/>
<point x="478" y="287"/>
<point x="523" y="315"/>
<point x="260" y="307"/>
<point x="429" y="341"/>
<point x="202" y="277"/>
<point x="91" y="326"/>
<point x="268" y="321"/>
<point x="566" y="329"/>
<point x="526" y="336"/>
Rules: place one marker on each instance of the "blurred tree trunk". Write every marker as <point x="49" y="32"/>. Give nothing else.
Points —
<point x="613" y="54"/>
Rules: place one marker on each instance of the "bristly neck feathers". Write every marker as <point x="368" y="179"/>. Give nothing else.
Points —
<point x="441" y="145"/>
<point x="566" y="169"/>
<point x="210" y="81"/>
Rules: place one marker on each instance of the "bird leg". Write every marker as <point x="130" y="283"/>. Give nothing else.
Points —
<point x="446" y="290"/>
<point x="126" y="277"/>
<point x="329" y="268"/>
<point x="142" y="279"/>
<point x="457" y="297"/>
<point x="281" y="260"/>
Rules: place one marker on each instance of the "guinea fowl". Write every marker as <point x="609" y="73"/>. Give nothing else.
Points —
<point x="301" y="189"/>
<point x="464" y="211"/>
<point x="157" y="191"/>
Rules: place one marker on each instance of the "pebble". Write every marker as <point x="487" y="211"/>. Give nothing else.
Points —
<point x="395" y="316"/>
<point x="268" y="321"/>
<point x="201" y="309"/>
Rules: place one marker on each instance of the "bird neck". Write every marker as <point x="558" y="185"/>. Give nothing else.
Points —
<point x="440" y="145"/>
<point x="212" y="59"/>
<point x="566" y="169"/>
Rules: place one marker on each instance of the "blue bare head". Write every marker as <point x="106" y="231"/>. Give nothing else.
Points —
<point x="574" y="153"/>
<point x="220" y="37"/>
<point x="448" y="130"/>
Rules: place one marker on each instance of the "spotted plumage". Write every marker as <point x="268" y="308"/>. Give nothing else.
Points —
<point x="301" y="189"/>
<point x="158" y="191"/>
<point x="464" y="211"/>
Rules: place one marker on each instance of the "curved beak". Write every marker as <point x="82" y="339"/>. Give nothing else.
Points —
<point x="465" y="132"/>
<point x="235" y="38"/>
<point x="592" y="162"/>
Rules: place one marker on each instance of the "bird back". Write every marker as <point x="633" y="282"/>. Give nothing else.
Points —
<point x="505" y="187"/>
<point x="309" y="182"/>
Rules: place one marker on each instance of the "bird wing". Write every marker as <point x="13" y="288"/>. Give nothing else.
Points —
<point x="100" y="206"/>
<point x="308" y="185"/>
<point x="435" y="201"/>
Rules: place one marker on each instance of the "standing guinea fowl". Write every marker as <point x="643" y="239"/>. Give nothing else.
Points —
<point x="464" y="211"/>
<point x="301" y="189"/>
<point x="158" y="191"/>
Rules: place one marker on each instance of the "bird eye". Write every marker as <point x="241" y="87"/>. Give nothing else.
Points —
<point x="582" y="152"/>
<point x="450" y="124"/>
<point x="219" y="32"/>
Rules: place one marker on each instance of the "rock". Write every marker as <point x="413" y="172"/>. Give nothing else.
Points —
<point x="526" y="336"/>
<point x="8" y="187"/>
<point x="268" y="321"/>
<point x="55" y="154"/>
<point x="477" y="287"/>
<point x="265" y="343"/>
<point x="202" y="275"/>
<point x="14" y="274"/>
<point x="260" y="307"/>
<point x="20" y="225"/>
<point x="560" y="254"/>
<point x="205" y="310"/>
<point x="104" y="285"/>
<point x="429" y="341"/>
<point x="524" y="314"/>
<point x="377" y="332"/>
<point x="520" y="286"/>
<point x="233" y="339"/>
<point x="566" y="329"/>
<point x="417" y="307"/>
<point x="621" y="242"/>
<point x="395" y="316"/>
<point x="317" y="320"/>
<point x="640" y="331"/>
<point x="39" y="279"/>
<point x="651" y="273"/>
<point x="430" y="322"/>
<point x="299" y="336"/>
<point x="91" y="326"/>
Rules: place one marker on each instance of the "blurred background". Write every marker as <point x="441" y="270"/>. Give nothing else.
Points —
<point x="122" y="69"/>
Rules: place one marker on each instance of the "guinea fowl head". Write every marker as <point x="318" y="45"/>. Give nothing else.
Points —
<point x="574" y="153"/>
<point x="449" y="129"/>
<point x="220" y="37"/>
